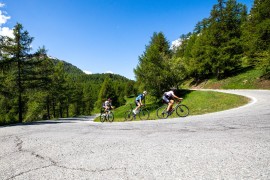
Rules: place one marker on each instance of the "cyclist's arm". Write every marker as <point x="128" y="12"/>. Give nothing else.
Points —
<point x="176" y="97"/>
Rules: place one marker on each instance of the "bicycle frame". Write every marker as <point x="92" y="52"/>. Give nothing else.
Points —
<point x="181" y="110"/>
<point x="106" y="116"/>
<point x="142" y="112"/>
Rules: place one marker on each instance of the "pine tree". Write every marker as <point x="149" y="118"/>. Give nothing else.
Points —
<point x="17" y="49"/>
<point x="41" y="82"/>
<point x="153" y="71"/>
<point x="197" y="59"/>
<point x="106" y="91"/>
<point x="59" y="92"/>
<point x="256" y="36"/>
<point x="224" y="35"/>
<point x="88" y="98"/>
<point x="129" y="88"/>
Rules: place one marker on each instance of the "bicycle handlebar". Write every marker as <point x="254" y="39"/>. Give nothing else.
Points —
<point x="178" y="101"/>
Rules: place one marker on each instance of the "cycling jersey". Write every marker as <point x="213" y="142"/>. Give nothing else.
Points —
<point x="140" y="97"/>
<point x="169" y="94"/>
<point x="107" y="103"/>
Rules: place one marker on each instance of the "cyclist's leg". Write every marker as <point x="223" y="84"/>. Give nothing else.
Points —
<point x="170" y="105"/>
<point x="167" y="101"/>
<point x="137" y="107"/>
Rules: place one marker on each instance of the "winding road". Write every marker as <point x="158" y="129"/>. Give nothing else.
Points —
<point x="232" y="144"/>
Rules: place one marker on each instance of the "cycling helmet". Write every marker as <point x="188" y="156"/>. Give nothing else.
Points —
<point x="144" y="92"/>
<point x="173" y="89"/>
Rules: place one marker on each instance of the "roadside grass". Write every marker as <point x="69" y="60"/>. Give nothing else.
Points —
<point x="203" y="102"/>
<point x="247" y="79"/>
<point x="198" y="102"/>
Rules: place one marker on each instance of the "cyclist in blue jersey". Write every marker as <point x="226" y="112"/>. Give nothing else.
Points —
<point x="138" y="101"/>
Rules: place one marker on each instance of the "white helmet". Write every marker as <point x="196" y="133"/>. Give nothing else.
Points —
<point x="144" y="92"/>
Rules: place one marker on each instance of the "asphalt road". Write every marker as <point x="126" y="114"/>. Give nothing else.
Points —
<point x="232" y="144"/>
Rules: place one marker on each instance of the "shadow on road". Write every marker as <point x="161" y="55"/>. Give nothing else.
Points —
<point x="57" y="121"/>
<point x="36" y="123"/>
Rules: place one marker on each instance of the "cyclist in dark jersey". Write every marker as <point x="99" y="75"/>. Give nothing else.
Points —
<point x="138" y="101"/>
<point x="168" y="97"/>
<point x="107" y="105"/>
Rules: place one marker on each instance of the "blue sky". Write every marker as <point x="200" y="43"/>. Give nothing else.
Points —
<point x="103" y="35"/>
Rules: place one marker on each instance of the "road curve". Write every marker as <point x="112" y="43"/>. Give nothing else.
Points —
<point x="232" y="144"/>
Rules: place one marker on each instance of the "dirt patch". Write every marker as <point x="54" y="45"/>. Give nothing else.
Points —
<point x="215" y="86"/>
<point x="206" y="85"/>
<point x="263" y="83"/>
<point x="198" y="84"/>
<point x="259" y="83"/>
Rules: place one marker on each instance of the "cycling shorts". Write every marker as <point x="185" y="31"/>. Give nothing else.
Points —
<point x="137" y="103"/>
<point x="166" y="99"/>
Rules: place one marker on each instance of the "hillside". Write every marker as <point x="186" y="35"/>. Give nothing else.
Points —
<point x="99" y="78"/>
<point x="96" y="78"/>
<point x="69" y="68"/>
<point x="248" y="79"/>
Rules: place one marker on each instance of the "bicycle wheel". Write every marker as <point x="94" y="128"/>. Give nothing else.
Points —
<point x="110" y="116"/>
<point x="128" y="115"/>
<point x="182" y="110"/>
<point x="162" y="112"/>
<point x="144" y="114"/>
<point x="102" y="117"/>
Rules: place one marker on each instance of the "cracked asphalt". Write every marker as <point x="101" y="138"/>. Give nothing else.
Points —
<point x="232" y="144"/>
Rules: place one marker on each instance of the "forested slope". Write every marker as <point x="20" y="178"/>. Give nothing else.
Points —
<point x="35" y="86"/>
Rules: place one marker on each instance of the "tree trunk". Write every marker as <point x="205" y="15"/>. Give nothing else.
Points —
<point x="60" y="110"/>
<point x="67" y="110"/>
<point x="48" y="108"/>
<point x="20" y="92"/>
<point x="54" y="113"/>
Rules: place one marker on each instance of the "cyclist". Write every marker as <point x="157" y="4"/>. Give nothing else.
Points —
<point x="138" y="101"/>
<point x="107" y="105"/>
<point x="169" y="97"/>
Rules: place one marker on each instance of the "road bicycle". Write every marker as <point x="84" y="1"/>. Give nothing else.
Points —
<point x="106" y="116"/>
<point x="143" y="113"/>
<point x="181" y="110"/>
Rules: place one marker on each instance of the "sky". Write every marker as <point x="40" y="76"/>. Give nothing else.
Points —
<point x="102" y="36"/>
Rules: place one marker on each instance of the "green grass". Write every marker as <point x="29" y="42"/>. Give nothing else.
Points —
<point x="249" y="79"/>
<point x="199" y="102"/>
<point x="245" y="80"/>
<point x="202" y="102"/>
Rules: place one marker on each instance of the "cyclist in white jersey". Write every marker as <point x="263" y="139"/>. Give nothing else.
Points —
<point x="169" y="97"/>
<point x="107" y="105"/>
